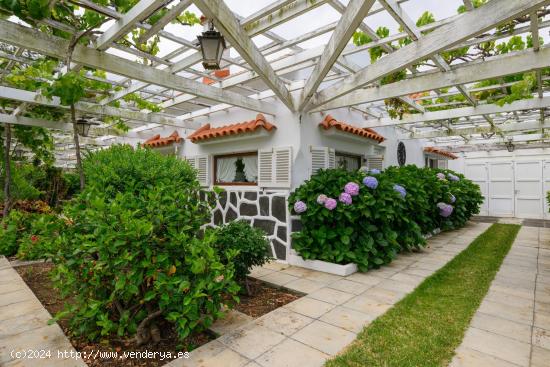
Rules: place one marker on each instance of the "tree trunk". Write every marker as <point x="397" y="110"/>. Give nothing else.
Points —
<point x="7" y="172"/>
<point x="77" y="148"/>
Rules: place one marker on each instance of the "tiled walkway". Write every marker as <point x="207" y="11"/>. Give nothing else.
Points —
<point x="512" y="326"/>
<point x="306" y="332"/>
<point x="24" y="327"/>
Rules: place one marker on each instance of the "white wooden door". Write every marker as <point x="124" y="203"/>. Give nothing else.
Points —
<point x="546" y="187"/>
<point x="528" y="189"/>
<point x="477" y="172"/>
<point x="501" y="189"/>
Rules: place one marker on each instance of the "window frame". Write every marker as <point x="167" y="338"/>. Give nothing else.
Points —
<point x="337" y="153"/>
<point x="215" y="168"/>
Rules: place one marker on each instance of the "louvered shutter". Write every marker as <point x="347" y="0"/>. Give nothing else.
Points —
<point x="443" y="164"/>
<point x="375" y="162"/>
<point x="202" y="164"/>
<point x="283" y="167"/>
<point x="322" y="158"/>
<point x="265" y="168"/>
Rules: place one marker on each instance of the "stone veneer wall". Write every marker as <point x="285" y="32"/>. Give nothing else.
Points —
<point x="262" y="209"/>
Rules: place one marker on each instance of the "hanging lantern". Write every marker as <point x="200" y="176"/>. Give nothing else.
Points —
<point x="83" y="126"/>
<point x="18" y="154"/>
<point x="212" y="46"/>
<point x="510" y="146"/>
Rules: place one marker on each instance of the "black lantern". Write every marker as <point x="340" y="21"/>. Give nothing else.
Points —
<point x="510" y="146"/>
<point x="212" y="46"/>
<point x="83" y="126"/>
<point x="18" y="153"/>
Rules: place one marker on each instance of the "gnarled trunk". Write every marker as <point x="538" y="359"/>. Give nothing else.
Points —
<point x="7" y="172"/>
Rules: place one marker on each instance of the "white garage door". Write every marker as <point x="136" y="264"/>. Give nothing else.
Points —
<point x="512" y="188"/>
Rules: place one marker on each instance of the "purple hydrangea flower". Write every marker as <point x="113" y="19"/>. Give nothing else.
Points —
<point x="374" y="171"/>
<point x="441" y="176"/>
<point x="453" y="177"/>
<point x="330" y="203"/>
<point x="321" y="199"/>
<point x="352" y="188"/>
<point x="401" y="190"/>
<point x="370" y="182"/>
<point x="345" y="198"/>
<point x="445" y="210"/>
<point x="452" y="199"/>
<point x="300" y="207"/>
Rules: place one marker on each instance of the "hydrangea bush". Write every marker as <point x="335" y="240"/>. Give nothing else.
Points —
<point x="374" y="218"/>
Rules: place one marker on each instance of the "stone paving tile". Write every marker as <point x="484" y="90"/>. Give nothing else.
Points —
<point x="518" y="314"/>
<point x="365" y="278"/>
<point x="499" y="346"/>
<point x="349" y="286"/>
<point x="403" y="277"/>
<point x="323" y="277"/>
<point x="501" y="297"/>
<point x="304" y="285"/>
<point x="291" y="353"/>
<point x="540" y="357"/>
<point x="232" y="320"/>
<point x="542" y="320"/>
<point x="331" y="295"/>
<point x="498" y="325"/>
<point x="383" y="295"/>
<point x="278" y="278"/>
<point x="466" y="357"/>
<point x="541" y="338"/>
<point x="309" y="307"/>
<point x="367" y="305"/>
<point x="346" y="318"/>
<point x="397" y="286"/>
<point x="324" y="337"/>
<point x="284" y="321"/>
<point x="251" y="340"/>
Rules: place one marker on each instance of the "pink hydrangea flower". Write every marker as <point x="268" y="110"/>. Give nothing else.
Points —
<point x="300" y="207"/>
<point x="321" y="199"/>
<point x="445" y="210"/>
<point x="352" y="188"/>
<point x="330" y="203"/>
<point x="345" y="198"/>
<point x="441" y="176"/>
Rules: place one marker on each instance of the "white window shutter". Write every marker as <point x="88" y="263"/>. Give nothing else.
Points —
<point x="265" y="168"/>
<point x="331" y="159"/>
<point x="375" y="162"/>
<point x="202" y="164"/>
<point x="319" y="159"/>
<point x="283" y="166"/>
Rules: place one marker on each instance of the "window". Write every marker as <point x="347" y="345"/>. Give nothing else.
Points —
<point x="436" y="163"/>
<point x="349" y="162"/>
<point x="236" y="169"/>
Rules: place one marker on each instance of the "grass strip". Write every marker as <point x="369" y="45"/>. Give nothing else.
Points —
<point x="426" y="326"/>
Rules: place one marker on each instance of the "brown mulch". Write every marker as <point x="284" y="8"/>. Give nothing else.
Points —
<point x="264" y="299"/>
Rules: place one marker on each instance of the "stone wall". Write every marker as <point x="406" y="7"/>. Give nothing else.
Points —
<point x="262" y="209"/>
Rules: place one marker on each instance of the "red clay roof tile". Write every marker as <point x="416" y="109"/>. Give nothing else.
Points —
<point x="207" y="132"/>
<point x="156" y="141"/>
<point x="441" y="152"/>
<point x="365" y="132"/>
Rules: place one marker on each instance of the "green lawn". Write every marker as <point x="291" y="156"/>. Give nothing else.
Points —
<point x="425" y="327"/>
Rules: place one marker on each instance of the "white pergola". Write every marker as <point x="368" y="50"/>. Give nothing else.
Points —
<point x="266" y="66"/>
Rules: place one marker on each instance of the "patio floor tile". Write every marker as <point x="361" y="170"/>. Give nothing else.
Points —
<point x="540" y="357"/>
<point x="251" y="340"/>
<point x="331" y="295"/>
<point x="278" y="278"/>
<point x="291" y="353"/>
<point x="466" y="357"/>
<point x="498" y="346"/>
<point x="304" y="285"/>
<point x="349" y="286"/>
<point x="309" y="307"/>
<point x="284" y="321"/>
<point x="346" y="318"/>
<point x="324" y="337"/>
<point x="498" y="325"/>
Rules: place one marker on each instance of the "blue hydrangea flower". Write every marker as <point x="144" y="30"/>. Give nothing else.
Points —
<point x="374" y="171"/>
<point x="445" y="210"/>
<point x="401" y="190"/>
<point x="452" y="199"/>
<point x="453" y="177"/>
<point x="370" y="182"/>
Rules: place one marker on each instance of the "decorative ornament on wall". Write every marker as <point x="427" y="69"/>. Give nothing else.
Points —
<point x="401" y="154"/>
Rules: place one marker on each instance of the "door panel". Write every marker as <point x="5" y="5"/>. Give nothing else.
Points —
<point x="546" y="187"/>
<point x="501" y="189"/>
<point x="477" y="172"/>
<point x="528" y="189"/>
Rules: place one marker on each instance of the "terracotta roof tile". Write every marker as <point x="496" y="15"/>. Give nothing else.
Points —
<point x="441" y="152"/>
<point x="330" y="122"/>
<point x="156" y="141"/>
<point x="220" y="74"/>
<point x="207" y="132"/>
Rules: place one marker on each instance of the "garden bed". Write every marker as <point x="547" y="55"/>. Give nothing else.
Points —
<point x="265" y="299"/>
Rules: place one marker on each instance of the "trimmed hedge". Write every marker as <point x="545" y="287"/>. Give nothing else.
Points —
<point x="368" y="217"/>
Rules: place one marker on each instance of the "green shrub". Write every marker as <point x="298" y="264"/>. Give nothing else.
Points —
<point x="130" y="254"/>
<point x="38" y="241"/>
<point x="379" y="222"/>
<point x="251" y="244"/>
<point x="11" y="229"/>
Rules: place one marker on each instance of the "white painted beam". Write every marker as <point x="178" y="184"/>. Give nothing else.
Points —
<point x="494" y="67"/>
<point x="230" y="27"/>
<point x="55" y="46"/>
<point x="485" y="109"/>
<point x="140" y="11"/>
<point x="354" y="14"/>
<point x="465" y="26"/>
<point x="26" y="121"/>
<point x="175" y="11"/>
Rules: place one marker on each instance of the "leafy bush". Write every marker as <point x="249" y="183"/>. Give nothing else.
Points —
<point x="251" y="244"/>
<point x="10" y="232"/>
<point x="347" y="217"/>
<point x="130" y="254"/>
